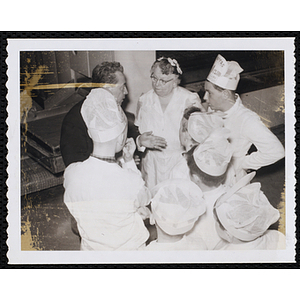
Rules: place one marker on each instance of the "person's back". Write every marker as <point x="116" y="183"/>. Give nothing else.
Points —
<point x="109" y="196"/>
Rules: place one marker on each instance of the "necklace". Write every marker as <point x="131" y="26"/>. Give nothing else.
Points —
<point x="105" y="158"/>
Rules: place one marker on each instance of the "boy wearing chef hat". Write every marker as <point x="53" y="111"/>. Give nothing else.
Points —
<point x="243" y="220"/>
<point x="245" y="126"/>
<point x="176" y="206"/>
<point x="108" y="201"/>
<point x="208" y="163"/>
<point x="195" y="127"/>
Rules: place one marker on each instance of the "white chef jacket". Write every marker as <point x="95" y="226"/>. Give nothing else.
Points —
<point x="186" y="243"/>
<point x="246" y="129"/>
<point x="156" y="165"/>
<point x="104" y="198"/>
<point x="271" y="240"/>
<point x="205" y="227"/>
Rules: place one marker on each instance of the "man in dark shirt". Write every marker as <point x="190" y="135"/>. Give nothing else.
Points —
<point x="75" y="142"/>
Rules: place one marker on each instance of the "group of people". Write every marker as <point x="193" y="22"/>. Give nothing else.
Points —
<point x="194" y="178"/>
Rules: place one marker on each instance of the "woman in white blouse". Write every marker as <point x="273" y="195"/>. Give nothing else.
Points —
<point x="158" y="117"/>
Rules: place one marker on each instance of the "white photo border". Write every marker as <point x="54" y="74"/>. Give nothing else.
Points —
<point x="16" y="256"/>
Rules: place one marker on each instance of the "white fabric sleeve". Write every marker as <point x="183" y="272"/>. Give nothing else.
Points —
<point x="140" y="148"/>
<point x="269" y="148"/>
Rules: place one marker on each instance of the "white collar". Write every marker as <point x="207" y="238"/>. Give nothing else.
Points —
<point x="233" y="109"/>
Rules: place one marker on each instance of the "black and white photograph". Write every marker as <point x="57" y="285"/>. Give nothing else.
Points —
<point x="151" y="150"/>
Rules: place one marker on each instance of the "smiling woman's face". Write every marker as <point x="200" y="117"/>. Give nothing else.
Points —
<point x="161" y="89"/>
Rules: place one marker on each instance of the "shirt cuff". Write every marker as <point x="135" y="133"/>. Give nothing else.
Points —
<point x="140" y="148"/>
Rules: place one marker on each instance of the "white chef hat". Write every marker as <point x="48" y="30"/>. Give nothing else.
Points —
<point x="225" y="74"/>
<point x="201" y="125"/>
<point x="247" y="214"/>
<point x="214" y="154"/>
<point x="102" y="115"/>
<point x="177" y="205"/>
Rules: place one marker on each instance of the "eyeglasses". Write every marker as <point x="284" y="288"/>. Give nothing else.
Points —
<point x="163" y="82"/>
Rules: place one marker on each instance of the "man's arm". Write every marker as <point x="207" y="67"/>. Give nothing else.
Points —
<point x="269" y="148"/>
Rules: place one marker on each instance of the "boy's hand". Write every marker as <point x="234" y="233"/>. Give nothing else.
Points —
<point x="129" y="149"/>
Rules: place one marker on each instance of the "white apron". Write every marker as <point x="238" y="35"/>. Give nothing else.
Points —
<point x="157" y="165"/>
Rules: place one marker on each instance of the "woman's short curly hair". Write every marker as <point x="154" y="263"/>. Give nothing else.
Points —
<point x="165" y="67"/>
<point x="105" y="73"/>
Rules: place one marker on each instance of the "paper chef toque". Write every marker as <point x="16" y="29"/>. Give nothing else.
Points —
<point x="102" y="115"/>
<point x="225" y="74"/>
<point x="214" y="154"/>
<point x="201" y="125"/>
<point x="177" y="205"/>
<point x="247" y="214"/>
